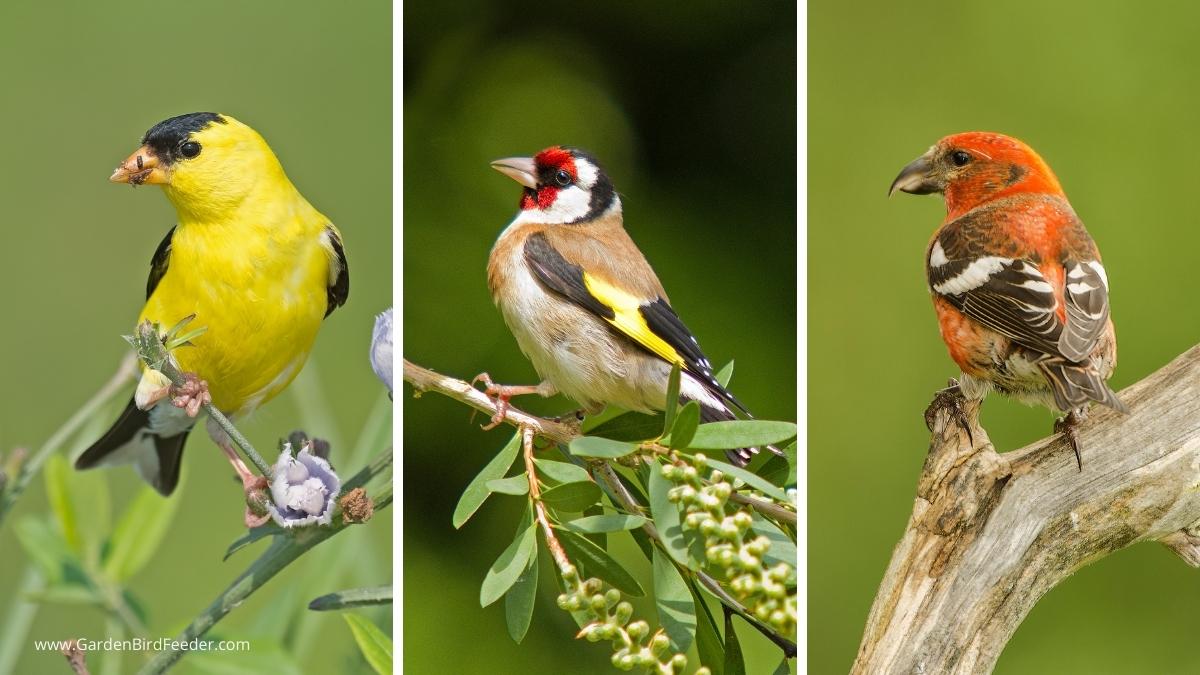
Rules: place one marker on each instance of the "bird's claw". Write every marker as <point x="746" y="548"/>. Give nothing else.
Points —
<point x="1068" y="426"/>
<point x="950" y="399"/>
<point x="497" y="392"/>
<point x="191" y="395"/>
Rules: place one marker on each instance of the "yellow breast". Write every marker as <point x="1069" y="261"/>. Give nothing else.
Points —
<point x="261" y="293"/>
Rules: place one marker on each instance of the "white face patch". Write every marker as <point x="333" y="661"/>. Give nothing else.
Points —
<point x="587" y="172"/>
<point x="975" y="275"/>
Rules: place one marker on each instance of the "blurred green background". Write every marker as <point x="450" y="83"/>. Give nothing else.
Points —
<point x="691" y="108"/>
<point x="83" y="81"/>
<point x="1107" y="93"/>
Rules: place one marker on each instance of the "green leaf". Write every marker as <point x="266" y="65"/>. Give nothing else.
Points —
<point x="55" y="473"/>
<point x="725" y="374"/>
<point x="783" y="549"/>
<point x="741" y="434"/>
<point x="594" y="446"/>
<point x="519" y="601"/>
<point x="509" y="565"/>
<point x="598" y="538"/>
<point x="66" y="594"/>
<point x="376" y="647"/>
<point x="666" y="517"/>
<point x="573" y="497"/>
<point x="676" y="611"/>
<point x="353" y="597"/>
<point x="513" y="485"/>
<point x="606" y="523"/>
<point x="598" y="563"/>
<point x="45" y="546"/>
<point x="477" y="491"/>
<point x="708" y="637"/>
<point x="672" y="402"/>
<point x="138" y="533"/>
<point x="252" y="536"/>
<point x="753" y="480"/>
<point x="782" y="668"/>
<point x="630" y="426"/>
<point x="734" y="663"/>
<point x="561" y="472"/>
<point x="685" y="426"/>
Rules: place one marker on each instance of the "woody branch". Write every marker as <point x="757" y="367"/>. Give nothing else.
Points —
<point x="991" y="533"/>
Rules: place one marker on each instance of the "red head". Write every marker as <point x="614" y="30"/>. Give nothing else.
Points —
<point x="977" y="167"/>
<point x="562" y="184"/>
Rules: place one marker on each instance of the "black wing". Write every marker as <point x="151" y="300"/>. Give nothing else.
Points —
<point x="568" y="280"/>
<point x="158" y="265"/>
<point x="339" y="273"/>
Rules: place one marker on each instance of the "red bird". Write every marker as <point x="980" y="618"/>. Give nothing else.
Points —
<point x="1020" y="292"/>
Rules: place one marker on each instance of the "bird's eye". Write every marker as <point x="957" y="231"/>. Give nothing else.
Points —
<point x="960" y="158"/>
<point x="189" y="149"/>
<point x="562" y="178"/>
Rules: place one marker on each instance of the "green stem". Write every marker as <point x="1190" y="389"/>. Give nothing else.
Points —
<point x="29" y="468"/>
<point x="284" y="550"/>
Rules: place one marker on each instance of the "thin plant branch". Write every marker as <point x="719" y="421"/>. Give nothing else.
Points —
<point x="16" y="487"/>
<point x="539" y="509"/>
<point x="423" y="379"/>
<point x="284" y="550"/>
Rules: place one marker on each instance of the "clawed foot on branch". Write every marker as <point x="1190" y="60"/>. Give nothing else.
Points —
<point x="502" y="393"/>
<point x="191" y="395"/>
<point x="952" y="400"/>
<point x="1068" y="426"/>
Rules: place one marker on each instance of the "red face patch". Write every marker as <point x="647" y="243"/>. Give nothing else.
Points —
<point x="548" y="161"/>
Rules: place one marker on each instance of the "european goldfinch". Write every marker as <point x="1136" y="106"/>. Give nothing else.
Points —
<point x="251" y="258"/>
<point x="584" y="304"/>
<point x="1020" y="292"/>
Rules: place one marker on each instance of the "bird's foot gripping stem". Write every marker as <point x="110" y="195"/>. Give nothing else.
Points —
<point x="191" y="395"/>
<point x="952" y="400"/>
<point x="1068" y="426"/>
<point x="502" y="393"/>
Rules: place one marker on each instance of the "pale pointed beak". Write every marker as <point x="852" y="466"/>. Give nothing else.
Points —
<point x="916" y="178"/>
<point x="520" y="169"/>
<point x="139" y="168"/>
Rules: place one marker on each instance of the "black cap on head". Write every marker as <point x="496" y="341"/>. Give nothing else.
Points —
<point x="165" y="137"/>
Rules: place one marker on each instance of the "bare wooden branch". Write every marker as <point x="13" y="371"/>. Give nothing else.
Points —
<point x="991" y="533"/>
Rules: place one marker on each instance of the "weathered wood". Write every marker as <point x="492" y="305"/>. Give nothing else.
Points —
<point x="991" y="533"/>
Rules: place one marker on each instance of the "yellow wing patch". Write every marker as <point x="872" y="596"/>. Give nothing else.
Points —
<point x="627" y="319"/>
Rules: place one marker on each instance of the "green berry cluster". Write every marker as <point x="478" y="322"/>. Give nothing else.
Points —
<point x="730" y="546"/>
<point x="632" y="643"/>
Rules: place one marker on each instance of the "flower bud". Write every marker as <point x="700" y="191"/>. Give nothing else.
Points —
<point x="638" y="630"/>
<point x="598" y="604"/>
<point x="659" y="643"/>
<point x="612" y="597"/>
<point x="624" y="612"/>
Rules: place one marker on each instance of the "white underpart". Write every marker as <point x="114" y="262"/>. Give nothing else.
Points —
<point x="937" y="257"/>
<point x="166" y="420"/>
<point x="975" y="275"/>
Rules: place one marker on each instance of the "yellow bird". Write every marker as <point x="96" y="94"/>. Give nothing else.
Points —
<point x="251" y="258"/>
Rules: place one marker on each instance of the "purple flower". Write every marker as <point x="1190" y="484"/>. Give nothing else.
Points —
<point x="381" y="348"/>
<point x="303" y="489"/>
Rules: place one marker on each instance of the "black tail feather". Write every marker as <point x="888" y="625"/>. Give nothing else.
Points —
<point x="133" y="425"/>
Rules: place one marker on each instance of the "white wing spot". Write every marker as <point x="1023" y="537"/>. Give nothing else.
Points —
<point x="937" y="257"/>
<point x="975" y="275"/>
